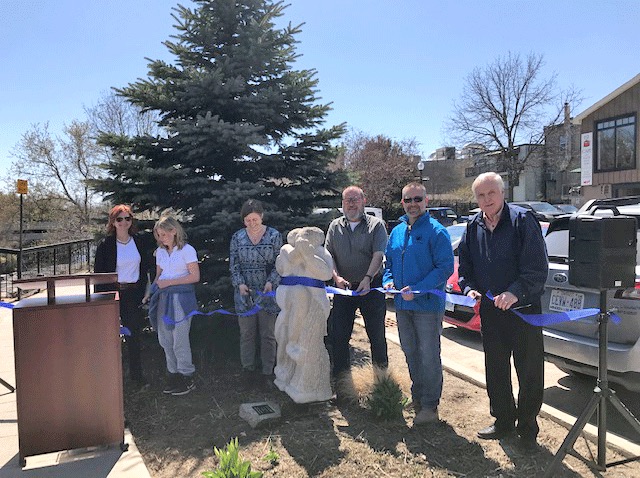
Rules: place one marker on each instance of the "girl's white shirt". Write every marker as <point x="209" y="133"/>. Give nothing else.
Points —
<point x="174" y="265"/>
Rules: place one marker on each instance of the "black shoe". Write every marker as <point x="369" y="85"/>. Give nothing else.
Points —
<point x="186" y="385"/>
<point x="174" y="383"/>
<point x="528" y="444"/>
<point x="494" y="433"/>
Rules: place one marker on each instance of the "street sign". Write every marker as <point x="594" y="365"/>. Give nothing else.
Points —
<point x="22" y="186"/>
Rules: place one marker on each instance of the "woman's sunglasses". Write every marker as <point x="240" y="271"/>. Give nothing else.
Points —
<point x="126" y="218"/>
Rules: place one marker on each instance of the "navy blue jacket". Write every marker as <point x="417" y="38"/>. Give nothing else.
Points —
<point x="512" y="258"/>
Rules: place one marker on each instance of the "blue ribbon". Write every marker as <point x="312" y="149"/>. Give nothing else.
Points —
<point x="542" y="320"/>
<point x="533" y="319"/>
<point x="7" y="305"/>
<point x="169" y="321"/>
<point x="300" y="280"/>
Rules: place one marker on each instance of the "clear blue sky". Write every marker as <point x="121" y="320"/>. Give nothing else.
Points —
<point x="390" y="67"/>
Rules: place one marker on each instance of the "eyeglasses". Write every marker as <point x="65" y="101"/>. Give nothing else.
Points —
<point x="126" y="218"/>
<point x="354" y="199"/>
<point x="415" y="199"/>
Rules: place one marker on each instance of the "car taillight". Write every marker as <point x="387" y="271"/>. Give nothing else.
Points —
<point x="632" y="293"/>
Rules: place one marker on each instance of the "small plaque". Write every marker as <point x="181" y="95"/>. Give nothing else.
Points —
<point x="263" y="409"/>
<point x="258" y="413"/>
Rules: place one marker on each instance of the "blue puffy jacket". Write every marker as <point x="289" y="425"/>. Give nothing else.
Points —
<point x="419" y="256"/>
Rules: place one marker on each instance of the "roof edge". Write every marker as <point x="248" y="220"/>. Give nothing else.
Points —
<point x="617" y="92"/>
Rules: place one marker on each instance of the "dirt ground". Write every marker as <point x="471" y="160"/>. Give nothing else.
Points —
<point x="176" y="435"/>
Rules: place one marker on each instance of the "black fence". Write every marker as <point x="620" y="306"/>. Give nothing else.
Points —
<point x="54" y="259"/>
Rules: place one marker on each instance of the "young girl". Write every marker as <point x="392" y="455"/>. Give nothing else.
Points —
<point x="173" y="298"/>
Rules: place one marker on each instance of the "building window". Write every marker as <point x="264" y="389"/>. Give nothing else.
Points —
<point x="616" y="143"/>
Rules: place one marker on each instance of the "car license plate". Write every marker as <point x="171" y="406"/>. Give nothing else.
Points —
<point x="562" y="300"/>
<point x="449" y="306"/>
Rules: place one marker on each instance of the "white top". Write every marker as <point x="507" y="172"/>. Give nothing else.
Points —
<point x="127" y="262"/>
<point x="174" y="265"/>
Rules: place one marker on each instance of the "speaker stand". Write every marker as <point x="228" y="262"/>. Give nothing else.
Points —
<point x="602" y="395"/>
<point x="7" y="386"/>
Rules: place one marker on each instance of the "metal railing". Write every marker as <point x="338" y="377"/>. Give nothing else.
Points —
<point x="53" y="259"/>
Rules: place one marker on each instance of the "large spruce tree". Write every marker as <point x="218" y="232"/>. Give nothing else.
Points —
<point x="240" y="123"/>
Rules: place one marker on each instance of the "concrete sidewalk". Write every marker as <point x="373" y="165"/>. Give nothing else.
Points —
<point x="95" y="462"/>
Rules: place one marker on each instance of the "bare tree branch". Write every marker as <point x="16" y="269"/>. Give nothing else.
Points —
<point x="505" y="104"/>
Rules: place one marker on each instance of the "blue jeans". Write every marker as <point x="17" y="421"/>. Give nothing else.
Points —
<point x="373" y="309"/>
<point x="419" y="333"/>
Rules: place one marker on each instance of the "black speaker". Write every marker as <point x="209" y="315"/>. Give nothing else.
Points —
<point x="602" y="251"/>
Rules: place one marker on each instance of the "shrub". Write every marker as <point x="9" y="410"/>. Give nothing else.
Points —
<point x="230" y="464"/>
<point x="386" y="400"/>
<point x="378" y="389"/>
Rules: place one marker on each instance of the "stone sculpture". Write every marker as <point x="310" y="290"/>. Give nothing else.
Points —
<point x="302" y="365"/>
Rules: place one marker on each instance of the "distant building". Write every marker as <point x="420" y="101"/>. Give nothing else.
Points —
<point x="529" y="186"/>
<point x="562" y="161"/>
<point x="609" y="144"/>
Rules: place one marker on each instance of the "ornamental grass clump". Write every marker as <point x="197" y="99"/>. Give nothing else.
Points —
<point x="230" y="464"/>
<point x="374" y="388"/>
<point x="386" y="400"/>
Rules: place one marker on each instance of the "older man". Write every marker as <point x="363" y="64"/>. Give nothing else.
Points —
<point x="502" y="251"/>
<point x="420" y="260"/>
<point x="356" y="241"/>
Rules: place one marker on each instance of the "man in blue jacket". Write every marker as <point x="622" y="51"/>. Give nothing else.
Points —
<point x="419" y="259"/>
<point x="502" y="251"/>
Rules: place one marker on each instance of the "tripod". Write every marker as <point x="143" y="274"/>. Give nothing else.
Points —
<point x="602" y="395"/>
<point x="7" y="386"/>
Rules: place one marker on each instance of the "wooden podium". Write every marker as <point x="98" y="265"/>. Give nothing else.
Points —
<point x="68" y="367"/>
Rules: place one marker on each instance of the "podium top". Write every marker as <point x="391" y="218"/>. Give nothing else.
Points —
<point x="50" y="282"/>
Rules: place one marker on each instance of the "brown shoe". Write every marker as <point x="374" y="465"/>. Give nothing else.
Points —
<point x="426" y="415"/>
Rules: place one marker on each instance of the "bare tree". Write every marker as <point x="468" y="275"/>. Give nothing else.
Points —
<point x="113" y="114"/>
<point x="381" y="166"/>
<point x="508" y="103"/>
<point x="60" y="167"/>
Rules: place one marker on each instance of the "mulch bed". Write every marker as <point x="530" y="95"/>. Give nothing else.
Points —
<point x="176" y="435"/>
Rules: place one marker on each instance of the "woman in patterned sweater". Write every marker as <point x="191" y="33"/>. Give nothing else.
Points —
<point x="253" y="253"/>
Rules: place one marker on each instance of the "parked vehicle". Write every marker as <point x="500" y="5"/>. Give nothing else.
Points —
<point x="337" y="212"/>
<point x="444" y="215"/>
<point x="567" y="208"/>
<point x="542" y="210"/>
<point x="460" y="315"/>
<point x="573" y="346"/>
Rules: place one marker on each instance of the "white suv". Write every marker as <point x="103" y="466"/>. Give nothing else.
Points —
<point x="573" y="346"/>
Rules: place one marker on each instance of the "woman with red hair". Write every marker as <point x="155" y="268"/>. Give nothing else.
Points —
<point x="124" y="252"/>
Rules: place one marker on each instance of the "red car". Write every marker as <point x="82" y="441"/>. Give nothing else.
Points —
<point x="461" y="315"/>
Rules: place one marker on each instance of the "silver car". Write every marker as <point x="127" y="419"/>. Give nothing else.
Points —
<point x="573" y="346"/>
